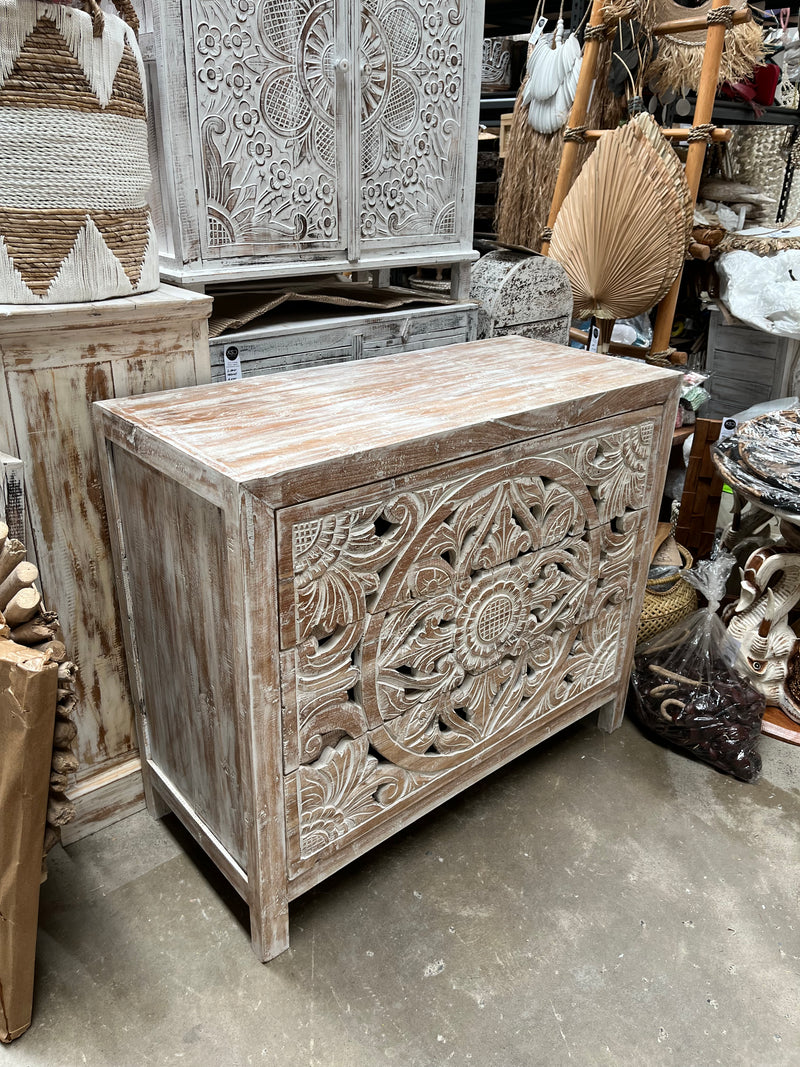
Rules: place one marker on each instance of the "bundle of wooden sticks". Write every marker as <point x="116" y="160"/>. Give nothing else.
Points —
<point x="24" y="620"/>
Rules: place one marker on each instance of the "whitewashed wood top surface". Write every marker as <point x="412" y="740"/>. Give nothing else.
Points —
<point x="135" y="309"/>
<point x="261" y="427"/>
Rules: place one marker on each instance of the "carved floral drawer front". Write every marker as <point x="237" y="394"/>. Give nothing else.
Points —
<point x="437" y="622"/>
<point x="339" y="563"/>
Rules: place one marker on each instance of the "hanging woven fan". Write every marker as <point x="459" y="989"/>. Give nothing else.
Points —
<point x="680" y="56"/>
<point x="645" y="125"/>
<point x="615" y="11"/>
<point x="552" y="78"/>
<point x="621" y="232"/>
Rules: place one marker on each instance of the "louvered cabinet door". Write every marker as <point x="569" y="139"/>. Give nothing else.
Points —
<point x="270" y="84"/>
<point x="418" y="106"/>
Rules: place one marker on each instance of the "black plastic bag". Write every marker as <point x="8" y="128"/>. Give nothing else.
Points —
<point x="687" y="692"/>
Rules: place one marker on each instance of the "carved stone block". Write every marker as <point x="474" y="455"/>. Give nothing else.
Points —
<point x="522" y="294"/>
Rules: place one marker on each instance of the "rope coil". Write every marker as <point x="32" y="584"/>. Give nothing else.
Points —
<point x="546" y="236"/>
<point x="703" y="132"/>
<point x="661" y="359"/>
<point x="721" y="16"/>
<point x="595" y="33"/>
<point x="575" y="133"/>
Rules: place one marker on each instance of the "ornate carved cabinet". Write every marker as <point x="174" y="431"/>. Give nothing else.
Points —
<point x="297" y="136"/>
<point x="353" y="591"/>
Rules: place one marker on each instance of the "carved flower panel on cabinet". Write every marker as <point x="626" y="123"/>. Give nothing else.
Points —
<point x="266" y="97"/>
<point x="411" y="57"/>
<point x="363" y="778"/>
<point x="450" y="616"/>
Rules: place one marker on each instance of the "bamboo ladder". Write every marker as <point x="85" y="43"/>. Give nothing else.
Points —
<point x="700" y="134"/>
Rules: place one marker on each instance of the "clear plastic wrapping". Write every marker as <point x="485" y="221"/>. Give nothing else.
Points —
<point x="762" y="290"/>
<point x="762" y="459"/>
<point x="687" y="692"/>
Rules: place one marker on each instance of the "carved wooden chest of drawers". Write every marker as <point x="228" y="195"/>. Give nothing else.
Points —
<point x="355" y="590"/>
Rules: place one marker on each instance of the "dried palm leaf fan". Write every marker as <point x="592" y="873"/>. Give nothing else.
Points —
<point x="532" y="158"/>
<point x="621" y="231"/>
<point x="680" y="55"/>
<point x="645" y="125"/>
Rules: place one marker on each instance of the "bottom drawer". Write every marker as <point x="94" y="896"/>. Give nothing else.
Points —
<point x="358" y="784"/>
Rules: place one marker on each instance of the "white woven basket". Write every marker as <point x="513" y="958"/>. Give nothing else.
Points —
<point x="74" y="169"/>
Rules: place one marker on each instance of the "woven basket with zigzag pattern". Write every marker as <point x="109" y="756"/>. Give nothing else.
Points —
<point x="74" y="170"/>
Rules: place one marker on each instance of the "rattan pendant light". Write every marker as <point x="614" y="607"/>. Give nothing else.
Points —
<point x="622" y="230"/>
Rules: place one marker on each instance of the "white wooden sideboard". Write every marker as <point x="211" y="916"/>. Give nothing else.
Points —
<point x="353" y="591"/>
<point x="336" y="335"/>
<point x="55" y="360"/>
<point x="308" y="136"/>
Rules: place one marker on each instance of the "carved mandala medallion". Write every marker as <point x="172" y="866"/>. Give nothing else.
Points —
<point x="438" y="621"/>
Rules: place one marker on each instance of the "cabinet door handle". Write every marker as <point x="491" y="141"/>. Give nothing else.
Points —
<point x="342" y="65"/>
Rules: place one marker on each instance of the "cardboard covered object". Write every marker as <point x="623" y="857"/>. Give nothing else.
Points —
<point x="28" y="695"/>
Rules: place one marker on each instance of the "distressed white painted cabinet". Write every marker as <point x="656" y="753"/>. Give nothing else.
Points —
<point x="55" y="360"/>
<point x="298" y="136"/>
<point x="352" y="591"/>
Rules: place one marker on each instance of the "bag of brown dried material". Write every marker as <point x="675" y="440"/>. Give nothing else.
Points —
<point x="687" y="692"/>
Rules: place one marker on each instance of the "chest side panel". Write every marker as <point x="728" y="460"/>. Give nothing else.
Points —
<point x="176" y="552"/>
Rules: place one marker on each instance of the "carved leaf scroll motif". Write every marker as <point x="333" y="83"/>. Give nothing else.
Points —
<point x="266" y="94"/>
<point x="436" y="622"/>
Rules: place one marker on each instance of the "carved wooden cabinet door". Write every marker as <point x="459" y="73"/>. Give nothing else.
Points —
<point x="270" y="92"/>
<point x="410" y="125"/>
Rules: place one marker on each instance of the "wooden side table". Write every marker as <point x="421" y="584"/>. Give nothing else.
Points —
<point x="56" y="360"/>
<point x="353" y="591"/>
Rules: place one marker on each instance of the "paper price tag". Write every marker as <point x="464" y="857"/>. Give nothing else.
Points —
<point x="729" y="426"/>
<point x="233" y="364"/>
<point x="594" y="339"/>
<point x="536" y="32"/>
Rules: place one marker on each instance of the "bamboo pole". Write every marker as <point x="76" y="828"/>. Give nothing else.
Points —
<point x="577" y="117"/>
<point x="676" y="134"/>
<point x="693" y="25"/>
<point x="696" y="153"/>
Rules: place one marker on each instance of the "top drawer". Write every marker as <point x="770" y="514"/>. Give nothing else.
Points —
<point x="410" y="539"/>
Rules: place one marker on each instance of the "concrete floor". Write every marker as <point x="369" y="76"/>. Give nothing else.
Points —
<point x="602" y="900"/>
